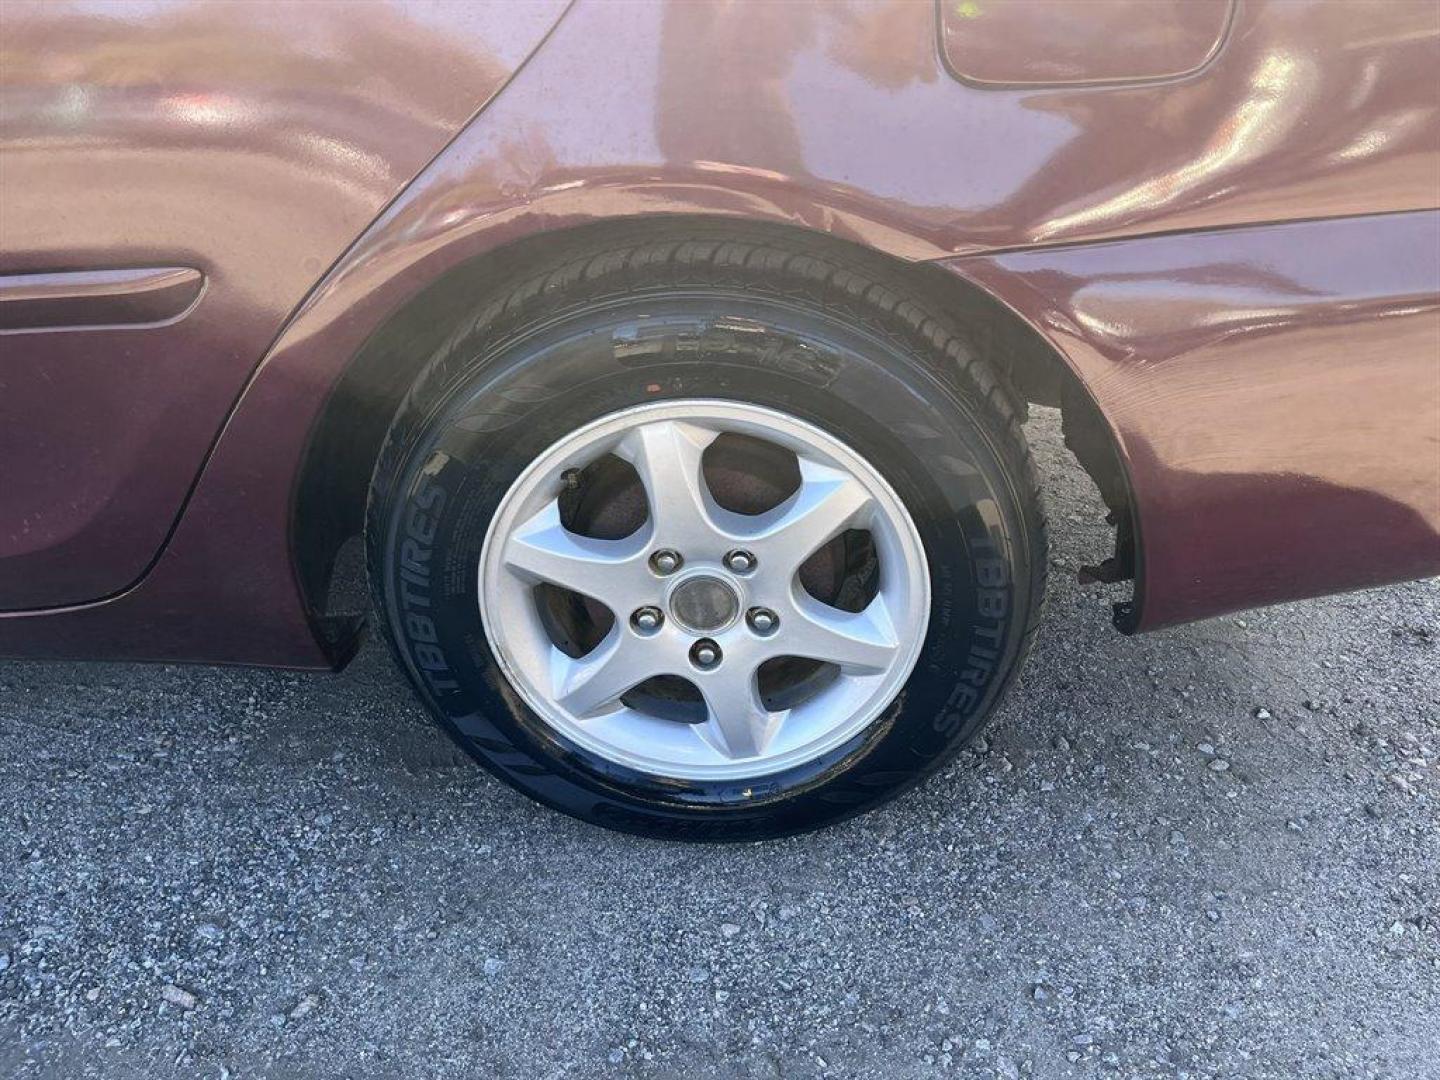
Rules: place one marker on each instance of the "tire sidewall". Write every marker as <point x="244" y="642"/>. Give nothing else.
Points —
<point x="511" y="400"/>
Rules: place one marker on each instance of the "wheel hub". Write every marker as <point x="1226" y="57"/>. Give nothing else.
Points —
<point x="705" y="604"/>
<point x="794" y="678"/>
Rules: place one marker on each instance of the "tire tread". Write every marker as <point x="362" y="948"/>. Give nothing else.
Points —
<point x="844" y="287"/>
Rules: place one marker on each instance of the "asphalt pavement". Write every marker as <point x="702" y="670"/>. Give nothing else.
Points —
<point x="1208" y="852"/>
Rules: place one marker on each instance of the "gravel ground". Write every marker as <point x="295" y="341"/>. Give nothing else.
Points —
<point x="1206" y="852"/>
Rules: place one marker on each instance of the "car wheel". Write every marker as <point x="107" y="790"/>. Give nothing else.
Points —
<point x="709" y="540"/>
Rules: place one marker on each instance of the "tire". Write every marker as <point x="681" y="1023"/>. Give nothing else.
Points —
<point x="623" y="332"/>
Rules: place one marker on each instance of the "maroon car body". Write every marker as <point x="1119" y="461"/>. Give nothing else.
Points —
<point x="1214" y="224"/>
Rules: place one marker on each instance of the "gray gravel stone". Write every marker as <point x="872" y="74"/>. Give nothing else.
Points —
<point x="307" y="1004"/>
<point x="340" y="847"/>
<point x="179" y="996"/>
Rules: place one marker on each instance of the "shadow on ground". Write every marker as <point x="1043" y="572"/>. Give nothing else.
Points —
<point x="1208" y="852"/>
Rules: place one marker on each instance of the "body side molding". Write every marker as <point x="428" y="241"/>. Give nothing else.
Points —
<point x="88" y="298"/>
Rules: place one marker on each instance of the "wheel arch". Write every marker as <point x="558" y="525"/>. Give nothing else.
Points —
<point x="334" y="474"/>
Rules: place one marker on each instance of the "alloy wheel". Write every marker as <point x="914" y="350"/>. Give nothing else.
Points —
<point x="694" y="645"/>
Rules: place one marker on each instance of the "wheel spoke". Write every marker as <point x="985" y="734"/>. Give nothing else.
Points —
<point x="827" y="503"/>
<point x="588" y="684"/>
<point x="667" y="456"/>
<point x="858" y="642"/>
<point x="737" y="722"/>
<point x="703" y="594"/>
<point x="542" y="549"/>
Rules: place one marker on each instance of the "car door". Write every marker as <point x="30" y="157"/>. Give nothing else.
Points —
<point x="174" y="177"/>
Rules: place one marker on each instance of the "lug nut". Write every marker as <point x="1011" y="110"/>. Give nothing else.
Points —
<point x="762" y="620"/>
<point x="666" y="562"/>
<point x="705" y="654"/>
<point x="647" y="619"/>
<point x="740" y="562"/>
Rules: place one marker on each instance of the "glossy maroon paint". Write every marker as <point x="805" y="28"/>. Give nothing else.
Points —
<point x="94" y="298"/>
<point x="252" y="142"/>
<point x="1060" y="42"/>
<point x="842" y="118"/>
<point x="1275" y="393"/>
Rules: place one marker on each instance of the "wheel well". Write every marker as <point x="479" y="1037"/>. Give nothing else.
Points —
<point x="330" y="497"/>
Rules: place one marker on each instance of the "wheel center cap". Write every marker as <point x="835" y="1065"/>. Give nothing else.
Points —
<point x="704" y="604"/>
